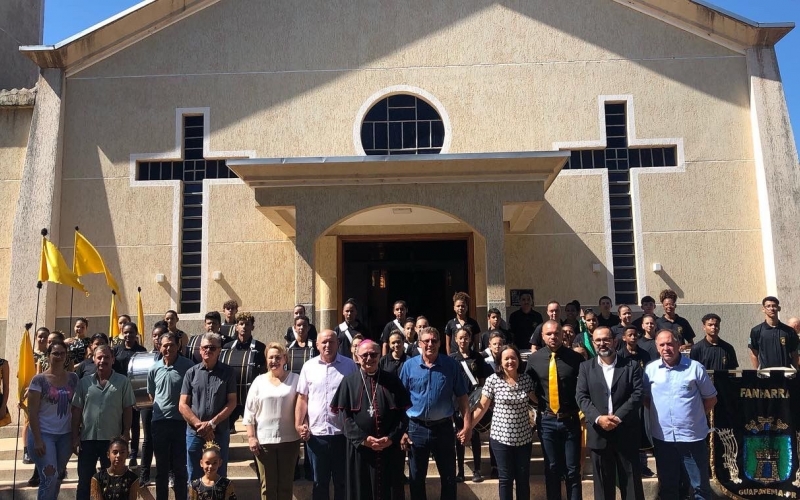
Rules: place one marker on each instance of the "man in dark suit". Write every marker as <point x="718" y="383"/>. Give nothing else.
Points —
<point x="609" y="393"/>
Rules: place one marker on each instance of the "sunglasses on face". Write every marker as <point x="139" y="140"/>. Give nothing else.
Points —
<point x="211" y="348"/>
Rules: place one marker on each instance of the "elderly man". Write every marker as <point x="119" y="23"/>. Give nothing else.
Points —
<point x="164" y="384"/>
<point x="316" y="422"/>
<point x="679" y="393"/>
<point x="102" y="409"/>
<point x="373" y="403"/>
<point x="434" y="381"/>
<point x="554" y="371"/>
<point x="208" y="396"/>
<point x="609" y="393"/>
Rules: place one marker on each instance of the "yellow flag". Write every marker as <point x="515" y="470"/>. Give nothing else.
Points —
<point x="53" y="268"/>
<point x="140" y="315"/>
<point x="27" y="365"/>
<point x="88" y="261"/>
<point x="113" y="326"/>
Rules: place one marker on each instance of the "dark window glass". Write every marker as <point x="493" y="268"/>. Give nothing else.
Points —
<point x="402" y="124"/>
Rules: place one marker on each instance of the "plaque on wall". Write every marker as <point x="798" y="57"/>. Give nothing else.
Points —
<point x="516" y="293"/>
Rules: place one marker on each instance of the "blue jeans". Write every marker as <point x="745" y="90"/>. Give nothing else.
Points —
<point x="692" y="457"/>
<point x="169" y="447"/>
<point x="89" y="454"/>
<point x="513" y="466"/>
<point x="440" y="440"/>
<point x="561" y="447"/>
<point x="58" y="448"/>
<point x="327" y="455"/>
<point x="194" y="451"/>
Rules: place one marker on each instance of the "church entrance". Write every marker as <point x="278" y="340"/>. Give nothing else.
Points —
<point x="423" y="271"/>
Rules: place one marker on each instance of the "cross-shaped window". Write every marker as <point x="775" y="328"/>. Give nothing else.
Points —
<point x="618" y="158"/>
<point x="191" y="170"/>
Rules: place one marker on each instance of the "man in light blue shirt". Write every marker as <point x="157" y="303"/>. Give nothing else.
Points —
<point x="679" y="394"/>
<point x="434" y="380"/>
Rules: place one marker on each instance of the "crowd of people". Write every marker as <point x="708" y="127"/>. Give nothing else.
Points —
<point x="592" y="383"/>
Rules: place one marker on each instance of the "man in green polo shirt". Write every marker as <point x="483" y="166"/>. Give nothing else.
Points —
<point x="102" y="409"/>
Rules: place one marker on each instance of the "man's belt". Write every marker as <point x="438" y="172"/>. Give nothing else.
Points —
<point x="561" y="416"/>
<point x="432" y="423"/>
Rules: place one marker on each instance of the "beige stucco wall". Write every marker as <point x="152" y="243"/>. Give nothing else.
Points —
<point x="15" y="124"/>
<point x="288" y="81"/>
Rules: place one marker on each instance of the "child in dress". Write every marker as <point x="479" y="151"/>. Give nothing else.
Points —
<point x="211" y="485"/>
<point x="117" y="482"/>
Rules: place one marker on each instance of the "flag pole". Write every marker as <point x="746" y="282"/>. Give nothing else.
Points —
<point x="38" y="296"/>
<point x="72" y="292"/>
<point x="19" y="421"/>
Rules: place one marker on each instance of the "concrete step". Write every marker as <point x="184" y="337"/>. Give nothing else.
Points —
<point x="249" y="488"/>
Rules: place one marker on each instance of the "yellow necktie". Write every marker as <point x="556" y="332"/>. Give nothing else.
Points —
<point x="552" y="381"/>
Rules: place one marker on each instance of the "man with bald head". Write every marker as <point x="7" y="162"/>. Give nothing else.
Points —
<point x="373" y="402"/>
<point x="554" y="370"/>
<point x="316" y="422"/>
<point x="794" y="322"/>
<point x="679" y="393"/>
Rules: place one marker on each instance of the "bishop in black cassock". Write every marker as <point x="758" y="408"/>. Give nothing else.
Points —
<point x="373" y="404"/>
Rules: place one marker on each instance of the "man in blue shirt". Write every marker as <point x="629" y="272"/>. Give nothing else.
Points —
<point x="433" y="380"/>
<point x="679" y="394"/>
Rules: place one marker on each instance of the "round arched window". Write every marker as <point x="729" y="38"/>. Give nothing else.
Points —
<point x="402" y="124"/>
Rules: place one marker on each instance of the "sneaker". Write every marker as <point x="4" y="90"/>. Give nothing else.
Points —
<point x="646" y="472"/>
<point x="34" y="480"/>
<point x="171" y="480"/>
<point x="233" y="430"/>
<point x="494" y="474"/>
<point x="460" y="477"/>
<point x="144" y="477"/>
<point x="477" y="477"/>
<point x="133" y="463"/>
<point x="26" y="459"/>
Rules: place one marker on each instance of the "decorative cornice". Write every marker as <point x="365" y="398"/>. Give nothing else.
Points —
<point x="17" y="98"/>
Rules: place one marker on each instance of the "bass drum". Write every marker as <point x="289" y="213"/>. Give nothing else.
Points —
<point x="475" y="398"/>
<point x="242" y="362"/>
<point x="193" y="348"/>
<point x="138" y="367"/>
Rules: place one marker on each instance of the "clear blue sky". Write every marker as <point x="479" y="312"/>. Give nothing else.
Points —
<point x="64" y="18"/>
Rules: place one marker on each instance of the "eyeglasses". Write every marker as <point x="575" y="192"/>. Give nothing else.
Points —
<point x="369" y="355"/>
<point x="429" y="341"/>
<point x="602" y="341"/>
<point x="211" y="348"/>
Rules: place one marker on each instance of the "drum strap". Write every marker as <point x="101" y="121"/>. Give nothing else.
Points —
<point x="252" y="343"/>
<point x="398" y="325"/>
<point x="346" y="330"/>
<point x="294" y="342"/>
<point x="470" y="376"/>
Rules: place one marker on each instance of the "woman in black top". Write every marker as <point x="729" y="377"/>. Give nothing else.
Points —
<point x="475" y="371"/>
<point x="396" y="357"/>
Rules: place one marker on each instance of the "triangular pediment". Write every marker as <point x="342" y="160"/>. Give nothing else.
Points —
<point x="151" y="16"/>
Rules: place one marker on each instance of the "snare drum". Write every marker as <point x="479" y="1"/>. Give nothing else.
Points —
<point x="193" y="348"/>
<point x="475" y="398"/>
<point x="138" y="366"/>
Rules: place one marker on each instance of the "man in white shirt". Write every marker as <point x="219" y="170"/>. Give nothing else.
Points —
<point x="609" y="393"/>
<point x="316" y="423"/>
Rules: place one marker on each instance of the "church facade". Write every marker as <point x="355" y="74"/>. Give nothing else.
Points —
<point x="280" y="153"/>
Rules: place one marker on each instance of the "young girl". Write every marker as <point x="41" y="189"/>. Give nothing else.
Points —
<point x="461" y="308"/>
<point x="117" y="482"/>
<point x="211" y="485"/>
<point x="410" y="331"/>
<point x="397" y="356"/>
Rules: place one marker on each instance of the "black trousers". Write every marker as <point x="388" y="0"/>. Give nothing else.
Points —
<point x="613" y="465"/>
<point x="169" y="446"/>
<point x="147" y="438"/>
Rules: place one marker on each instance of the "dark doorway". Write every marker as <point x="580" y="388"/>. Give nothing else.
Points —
<point x="425" y="274"/>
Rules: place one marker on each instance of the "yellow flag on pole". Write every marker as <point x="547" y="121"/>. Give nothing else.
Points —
<point x="88" y="261"/>
<point x="27" y="365"/>
<point x="140" y="314"/>
<point x="113" y="326"/>
<point x="52" y="267"/>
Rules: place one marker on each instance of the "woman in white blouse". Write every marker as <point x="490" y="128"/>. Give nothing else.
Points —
<point x="511" y="433"/>
<point x="269" y="419"/>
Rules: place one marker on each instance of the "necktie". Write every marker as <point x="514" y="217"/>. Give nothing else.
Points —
<point x="552" y="382"/>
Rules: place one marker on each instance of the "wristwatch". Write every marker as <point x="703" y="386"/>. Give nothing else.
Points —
<point x="213" y="425"/>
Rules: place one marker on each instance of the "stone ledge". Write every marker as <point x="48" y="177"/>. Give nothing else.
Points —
<point x="18" y="98"/>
